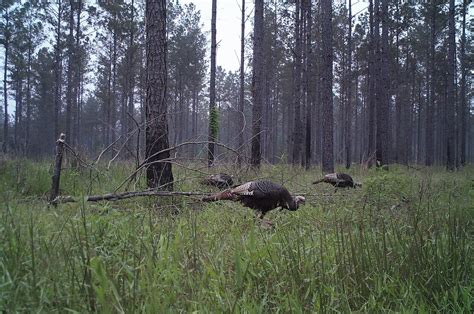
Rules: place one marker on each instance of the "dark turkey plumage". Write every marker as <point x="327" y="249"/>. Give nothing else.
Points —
<point x="262" y="196"/>
<point x="339" y="180"/>
<point x="220" y="180"/>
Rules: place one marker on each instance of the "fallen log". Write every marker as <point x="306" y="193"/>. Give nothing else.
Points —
<point x="124" y="195"/>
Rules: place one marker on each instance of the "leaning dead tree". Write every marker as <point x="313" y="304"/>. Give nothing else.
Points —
<point x="61" y="146"/>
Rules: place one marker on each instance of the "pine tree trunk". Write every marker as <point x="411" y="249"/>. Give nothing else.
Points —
<point x="348" y="122"/>
<point x="297" y="127"/>
<point x="77" y="75"/>
<point x="241" y="117"/>
<point x="6" y="45"/>
<point x="464" y="112"/>
<point x="159" y="174"/>
<point x="57" y="73"/>
<point x="371" y="82"/>
<point x="213" y="119"/>
<point x="309" y="83"/>
<point x="326" y="87"/>
<point x="383" y="118"/>
<point x="18" y="114"/>
<point x="318" y="103"/>
<point x="451" y="97"/>
<point x="69" y="91"/>
<point x="113" y="99"/>
<point x="131" y="74"/>
<point x="398" y="130"/>
<point x="429" y="129"/>
<point x="257" y="84"/>
<point x="28" y="94"/>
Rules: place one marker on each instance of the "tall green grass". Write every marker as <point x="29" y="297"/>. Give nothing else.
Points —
<point x="402" y="243"/>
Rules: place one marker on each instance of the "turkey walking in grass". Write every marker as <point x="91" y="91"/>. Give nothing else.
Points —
<point x="261" y="196"/>
<point x="339" y="180"/>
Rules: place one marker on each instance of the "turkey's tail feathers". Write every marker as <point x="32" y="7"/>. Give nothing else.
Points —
<point x="226" y="195"/>
<point x="318" y="181"/>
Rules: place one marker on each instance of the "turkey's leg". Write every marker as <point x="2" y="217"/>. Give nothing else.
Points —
<point x="262" y="221"/>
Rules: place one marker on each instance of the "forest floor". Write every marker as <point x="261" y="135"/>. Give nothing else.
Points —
<point x="403" y="242"/>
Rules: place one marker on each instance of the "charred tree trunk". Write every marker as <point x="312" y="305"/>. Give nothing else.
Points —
<point x="159" y="174"/>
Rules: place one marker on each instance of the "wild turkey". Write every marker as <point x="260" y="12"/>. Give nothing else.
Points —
<point x="339" y="180"/>
<point x="220" y="180"/>
<point x="262" y="196"/>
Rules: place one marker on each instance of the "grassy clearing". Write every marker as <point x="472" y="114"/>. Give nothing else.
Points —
<point x="401" y="243"/>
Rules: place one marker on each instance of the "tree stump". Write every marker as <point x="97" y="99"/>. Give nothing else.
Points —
<point x="57" y="168"/>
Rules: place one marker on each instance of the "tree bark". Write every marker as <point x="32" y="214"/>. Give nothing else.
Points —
<point x="429" y="129"/>
<point x="28" y="92"/>
<point x="297" y="127"/>
<point x="70" y="69"/>
<point x="6" y="45"/>
<point x="383" y="86"/>
<point x="371" y="82"/>
<point x="326" y="87"/>
<point x="159" y="174"/>
<point x="451" y="97"/>
<point x="213" y="114"/>
<point x="241" y="90"/>
<point x="348" y="122"/>
<point x="464" y="112"/>
<point x="309" y="83"/>
<point x="77" y="76"/>
<point x="57" y="168"/>
<point x="57" y="72"/>
<point x="257" y="84"/>
<point x="131" y="73"/>
<point x="113" y="91"/>
<point x="18" y="114"/>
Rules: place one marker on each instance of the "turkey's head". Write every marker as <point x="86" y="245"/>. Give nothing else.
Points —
<point x="295" y="202"/>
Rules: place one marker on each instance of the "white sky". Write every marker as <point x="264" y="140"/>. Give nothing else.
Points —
<point x="228" y="28"/>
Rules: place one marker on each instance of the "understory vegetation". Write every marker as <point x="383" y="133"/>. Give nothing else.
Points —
<point x="402" y="242"/>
